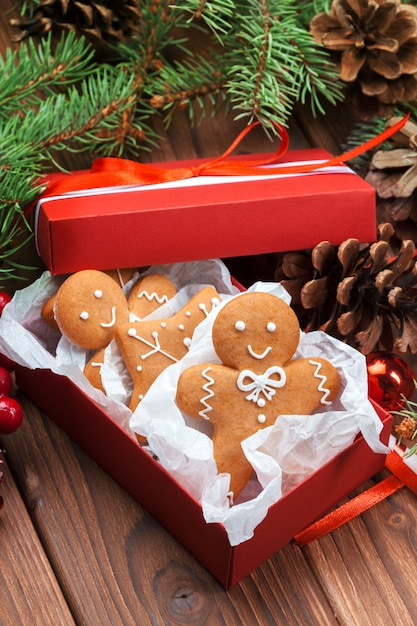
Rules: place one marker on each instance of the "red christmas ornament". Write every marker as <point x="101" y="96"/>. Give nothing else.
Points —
<point x="390" y="380"/>
<point x="11" y="415"/>
<point x="6" y="382"/>
<point x="4" y="299"/>
<point x="5" y="362"/>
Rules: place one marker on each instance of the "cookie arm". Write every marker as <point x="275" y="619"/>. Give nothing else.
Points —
<point x="311" y="383"/>
<point x="195" y="390"/>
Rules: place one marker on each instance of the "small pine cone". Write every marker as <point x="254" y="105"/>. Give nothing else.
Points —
<point x="407" y="428"/>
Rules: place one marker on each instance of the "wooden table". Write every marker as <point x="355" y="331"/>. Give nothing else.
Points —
<point x="76" y="549"/>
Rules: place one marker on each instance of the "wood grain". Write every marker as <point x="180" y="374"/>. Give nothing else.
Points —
<point x="76" y="549"/>
<point x="30" y="592"/>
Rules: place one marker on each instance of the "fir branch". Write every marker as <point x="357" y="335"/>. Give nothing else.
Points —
<point x="190" y="82"/>
<point x="30" y="73"/>
<point x="56" y="115"/>
<point x="264" y="88"/>
<point x="217" y="15"/>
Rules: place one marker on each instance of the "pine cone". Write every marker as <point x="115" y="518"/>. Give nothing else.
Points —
<point x="393" y="173"/>
<point x="406" y="428"/>
<point x="100" y="22"/>
<point x="374" y="42"/>
<point x="359" y="293"/>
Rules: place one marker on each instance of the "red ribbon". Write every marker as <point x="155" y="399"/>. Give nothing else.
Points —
<point x="401" y="475"/>
<point x="113" y="171"/>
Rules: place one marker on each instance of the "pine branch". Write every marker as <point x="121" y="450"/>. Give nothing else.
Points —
<point x="53" y="115"/>
<point x="33" y="72"/>
<point x="269" y="56"/>
<point x="190" y="82"/>
<point x="217" y="15"/>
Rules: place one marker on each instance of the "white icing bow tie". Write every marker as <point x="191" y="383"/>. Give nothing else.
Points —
<point x="261" y="383"/>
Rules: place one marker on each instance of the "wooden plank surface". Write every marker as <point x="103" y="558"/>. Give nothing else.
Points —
<point x="77" y="549"/>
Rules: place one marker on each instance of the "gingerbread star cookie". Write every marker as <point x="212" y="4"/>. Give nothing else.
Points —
<point x="255" y="335"/>
<point x="149" y="346"/>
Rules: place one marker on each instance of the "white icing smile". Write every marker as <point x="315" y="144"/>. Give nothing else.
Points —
<point x="112" y="321"/>
<point x="259" y="356"/>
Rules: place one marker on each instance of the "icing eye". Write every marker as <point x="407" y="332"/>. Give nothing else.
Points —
<point x="271" y="327"/>
<point x="84" y="315"/>
<point x="240" y="325"/>
<point x="98" y="293"/>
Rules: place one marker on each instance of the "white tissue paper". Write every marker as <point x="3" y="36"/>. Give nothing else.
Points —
<point x="29" y="341"/>
<point x="281" y="455"/>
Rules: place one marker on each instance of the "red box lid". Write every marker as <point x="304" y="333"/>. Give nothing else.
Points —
<point x="205" y="217"/>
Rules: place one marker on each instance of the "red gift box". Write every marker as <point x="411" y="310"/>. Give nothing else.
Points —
<point x="151" y="485"/>
<point x="205" y="217"/>
<point x="134" y="226"/>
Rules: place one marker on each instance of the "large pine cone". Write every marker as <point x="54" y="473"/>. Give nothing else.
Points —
<point x="374" y="42"/>
<point x="363" y="294"/>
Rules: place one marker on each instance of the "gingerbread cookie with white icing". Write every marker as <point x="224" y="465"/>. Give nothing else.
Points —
<point x="255" y="335"/>
<point x="120" y="276"/>
<point x="88" y="307"/>
<point x="148" y="294"/>
<point x="149" y="346"/>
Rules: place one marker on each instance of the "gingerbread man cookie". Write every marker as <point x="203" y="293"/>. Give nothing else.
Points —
<point x="88" y="307"/>
<point x="147" y="294"/>
<point x="255" y="335"/>
<point x="148" y="347"/>
<point x="120" y="276"/>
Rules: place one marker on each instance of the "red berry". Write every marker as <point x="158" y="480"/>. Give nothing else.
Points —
<point x="4" y="299"/>
<point x="11" y="415"/>
<point x="6" y="382"/>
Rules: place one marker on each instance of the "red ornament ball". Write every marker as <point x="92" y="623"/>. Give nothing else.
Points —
<point x="6" y="382"/>
<point x="390" y="380"/>
<point x="4" y="299"/>
<point x="11" y="415"/>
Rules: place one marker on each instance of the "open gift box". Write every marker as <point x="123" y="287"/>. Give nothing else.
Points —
<point x="204" y="217"/>
<point x="200" y="217"/>
<point x="161" y="493"/>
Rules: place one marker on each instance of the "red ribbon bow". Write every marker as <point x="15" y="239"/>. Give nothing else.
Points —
<point x="113" y="171"/>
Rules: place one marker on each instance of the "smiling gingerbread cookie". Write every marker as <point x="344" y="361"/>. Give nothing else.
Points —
<point x="90" y="304"/>
<point x="255" y="335"/>
<point x="88" y="307"/>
